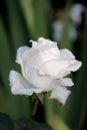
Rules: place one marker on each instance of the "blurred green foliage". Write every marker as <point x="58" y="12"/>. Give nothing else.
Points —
<point x="21" y="21"/>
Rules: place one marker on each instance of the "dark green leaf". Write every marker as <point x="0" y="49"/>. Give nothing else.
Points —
<point x="65" y="42"/>
<point x="16" y="24"/>
<point x="39" y="126"/>
<point x="22" y="122"/>
<point x="6" y="122"/>
<point x="33" y="126"/>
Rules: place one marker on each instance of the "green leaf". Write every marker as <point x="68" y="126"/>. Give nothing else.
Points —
<point x="27" y="9"/>
<point x="17" y="27"/>
<point x="65" y="42"/>
<point x="35" y="13"/>
<point x="39" y="126"/>
<point x="52" y="117"/>
<point x="6" y="122"/>
<point x="33" y="126"/>
<point x="40" y="17"/>
<point x="5" y="56"/>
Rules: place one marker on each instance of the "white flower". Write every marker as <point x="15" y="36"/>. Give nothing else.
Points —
<point x="44" y="67"/>
<point x="58" y="26"/>
<point x="75" y="13"/>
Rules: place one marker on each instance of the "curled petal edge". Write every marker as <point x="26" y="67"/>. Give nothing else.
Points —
<point x="60" y="94"/>
<point x="21" y="86"/>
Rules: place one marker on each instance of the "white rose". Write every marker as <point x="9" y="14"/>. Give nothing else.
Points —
<point x="44" y="67"/>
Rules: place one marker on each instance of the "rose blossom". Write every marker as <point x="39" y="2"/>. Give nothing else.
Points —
<point x="44" y="68"/>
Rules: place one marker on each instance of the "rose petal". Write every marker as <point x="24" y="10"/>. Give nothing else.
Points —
<point x="54" y="68"/>
<point x="37" y="80"/>
<point x="19" y="57"/>
<point x="75" y="66"/>
<point x="59" y="68"/>
<point x="44" y="41"/>
<point x="20" y="53"/>
<point x="34" y="43"/>
<point x="65" y="54"/>
<point x="37" y="57"/>
<point x="61" y="94"/>
<point x="66" y="82"/>
<point x="20" y="86"/>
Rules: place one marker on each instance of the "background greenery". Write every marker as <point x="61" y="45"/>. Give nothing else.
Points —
<point x="20" y="21"/>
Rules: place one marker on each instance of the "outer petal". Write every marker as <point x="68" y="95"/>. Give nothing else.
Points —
<point x="20" y="52"/>
<point x="19" y="57"/>
<point x="61" y="94"/>
<point x="65" y="54"/>
<point x="43" y="41"/>
<point x="20" y="86"/>
<point x="75" y="66"/>
<point x="66" y="82"/>
<point x="55" y="68"/>
<point x="34" y="43"/>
